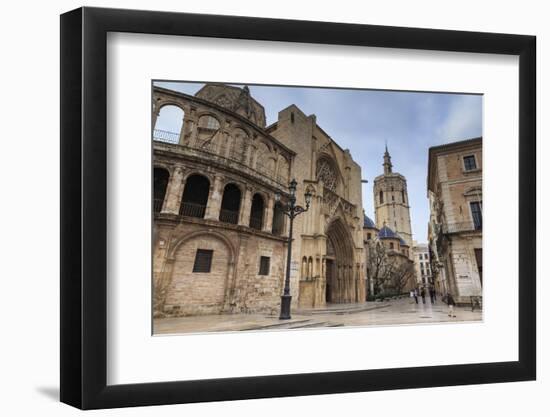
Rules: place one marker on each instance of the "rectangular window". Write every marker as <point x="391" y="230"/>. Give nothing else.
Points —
<point x="369" y="236"/>
<point x="469" y="163"/>
<point x="203" y="260"/>
<point x="264" y="265"/>
<point x="475" y="206"/>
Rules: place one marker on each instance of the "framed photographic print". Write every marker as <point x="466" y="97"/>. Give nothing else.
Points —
<point x="257" y="208"/>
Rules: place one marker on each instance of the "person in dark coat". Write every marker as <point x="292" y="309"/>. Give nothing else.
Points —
<point x="432" y="294"/>
<point x="451" y="303"/>
<point x="415" y="296"/>
<point x="423" y="295"/>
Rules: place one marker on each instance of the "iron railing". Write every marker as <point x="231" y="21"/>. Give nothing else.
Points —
<point x="229" y="216"/>
<point x="166" y="136"/>
<point x="157" y="204"/>
<point x="460" y="227"/>
<point x="256" y="222"/>
<point x="192" y="210"/>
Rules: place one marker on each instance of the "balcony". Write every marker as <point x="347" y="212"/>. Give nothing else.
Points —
<point x="229" y="216"/>
<point x="256" y="222"/>
<point x="165" y="136"/>
<point x="460" y="227"/>
<point x="157" y="205"/>
<point x="192" y="210"/>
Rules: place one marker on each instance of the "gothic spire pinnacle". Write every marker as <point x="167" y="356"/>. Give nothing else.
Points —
<point x="387" y="161"/>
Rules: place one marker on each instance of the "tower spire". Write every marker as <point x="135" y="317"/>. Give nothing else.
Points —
<point x="387" y="161"/>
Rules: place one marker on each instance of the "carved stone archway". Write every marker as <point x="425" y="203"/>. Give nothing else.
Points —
<point x="339" y="276"/>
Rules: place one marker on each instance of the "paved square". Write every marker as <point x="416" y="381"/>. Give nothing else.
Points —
<point x="393" y="312"/>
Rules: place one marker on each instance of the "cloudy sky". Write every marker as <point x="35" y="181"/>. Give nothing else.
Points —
<point x="364" y="120"/>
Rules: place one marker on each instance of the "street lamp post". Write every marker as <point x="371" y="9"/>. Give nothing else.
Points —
<point x="291" y="210"/>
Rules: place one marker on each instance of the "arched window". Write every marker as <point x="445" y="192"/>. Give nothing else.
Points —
<point x="257" y="212"/>
<point x="240" y="138"/>
<point x="278" y="220"/>
<point x="402" y="196"/>
<point x="231" y="202"/>
<point x="209" y="122"/>
<point x="195" y="196"/>
<point x="160" y="183"/>
<point x="169" y="124"/>
<point x="310" y="267"/>
<point x="381" y="197"/>
<point x="304" y="267"/>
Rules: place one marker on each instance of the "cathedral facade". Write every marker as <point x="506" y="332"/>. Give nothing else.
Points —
<point x="220" y="236"/>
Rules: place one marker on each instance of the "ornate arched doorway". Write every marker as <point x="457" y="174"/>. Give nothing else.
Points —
<point x="339" y="276"/>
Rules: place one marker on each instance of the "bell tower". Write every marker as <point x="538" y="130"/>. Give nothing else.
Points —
<point x="391" y="201"/>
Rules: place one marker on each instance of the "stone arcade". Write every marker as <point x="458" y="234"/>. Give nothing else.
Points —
<point x="220" y="237"/>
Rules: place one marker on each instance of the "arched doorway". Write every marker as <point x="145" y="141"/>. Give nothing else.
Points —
<point x="169" y="124"/>
<point x="231" y="202"/>
<point x="257" y="212"/>
<point x="339" y="277"/>
<point x="195" y="196"/>
<point x="161" y="177"/>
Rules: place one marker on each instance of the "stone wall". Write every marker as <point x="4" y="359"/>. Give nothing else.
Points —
<point x="233" y="284"/>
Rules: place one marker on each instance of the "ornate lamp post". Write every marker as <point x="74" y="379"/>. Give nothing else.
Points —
<point x="291" y="210"/>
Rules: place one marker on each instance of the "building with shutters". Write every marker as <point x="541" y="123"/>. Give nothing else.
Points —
<point x="422" y="264"/>
<point x="456" y="218"/>
<point x="220" y="238"/>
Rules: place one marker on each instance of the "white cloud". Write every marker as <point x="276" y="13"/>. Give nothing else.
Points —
<point x="463" y="119"/>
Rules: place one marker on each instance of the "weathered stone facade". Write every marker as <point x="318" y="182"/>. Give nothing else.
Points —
<point x="220" y="239"/>
<point x="391" y="201"/>
<point x="455" y="228"/>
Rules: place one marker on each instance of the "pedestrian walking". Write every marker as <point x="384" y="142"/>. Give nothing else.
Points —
<point x="432" y="295"/>
<point x="451" y="303"/>
<point x="416" y="296"/>
<point x="411" y="294"/>
<point x="423" y="295"/>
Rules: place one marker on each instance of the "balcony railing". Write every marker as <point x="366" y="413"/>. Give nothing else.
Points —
<point x="256" y="223"/>
<point x="165" y="136"/>
<point x="157" y="205"/>
<point x="192" y="210"/>
<point x="229" y="216"/>
<point x="460" y="227"/>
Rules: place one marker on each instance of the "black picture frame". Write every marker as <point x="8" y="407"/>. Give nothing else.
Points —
<point x="84" y="207"/>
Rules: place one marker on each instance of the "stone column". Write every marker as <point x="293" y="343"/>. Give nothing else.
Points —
<point x="215" y="196"/>
<point x="277" y="174"/>
<point x="156" y="112"/>
<point x="184" y="127"/>
<point x="174" y="191"/>
<point x="195" y="126"/>
<point x="254" y="158"/>
<point x="268" y="214"/>
<point x="246" y="203"/>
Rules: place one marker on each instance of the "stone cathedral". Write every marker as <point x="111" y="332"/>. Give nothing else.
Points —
<point x="391" y="201"/>
<point x="220" y="235"/>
